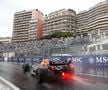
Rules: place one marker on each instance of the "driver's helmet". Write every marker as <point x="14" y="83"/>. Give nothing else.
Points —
<point x="45" y="62"/>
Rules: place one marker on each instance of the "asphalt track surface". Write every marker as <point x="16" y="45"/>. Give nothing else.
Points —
<point x="14" y="74"/>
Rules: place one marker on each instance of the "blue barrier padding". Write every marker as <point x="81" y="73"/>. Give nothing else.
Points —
<point x="90" y="60"/>
<point x="37" y="58"/>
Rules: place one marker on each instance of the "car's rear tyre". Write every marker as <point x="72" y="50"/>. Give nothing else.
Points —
<point x="39" y="79"/>
<point x="39" y="76"/>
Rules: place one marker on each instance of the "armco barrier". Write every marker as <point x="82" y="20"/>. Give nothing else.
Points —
<point x="84" y="64"/>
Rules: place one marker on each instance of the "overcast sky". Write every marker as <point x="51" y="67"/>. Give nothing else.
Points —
<point x="9" y="7"/>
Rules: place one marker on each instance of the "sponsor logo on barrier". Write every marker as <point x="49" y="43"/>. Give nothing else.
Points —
<point x="101" y="59"/>
<point x="36" y="59"/>
<point x="28" y="59"/>
<point x="73" y="59"/>
<point x="77" y="59"/>
<point x="15" y="59"/>
<point x="21" y="59"/>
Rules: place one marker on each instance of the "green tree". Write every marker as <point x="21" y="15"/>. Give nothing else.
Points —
<point x="57" y="35"/>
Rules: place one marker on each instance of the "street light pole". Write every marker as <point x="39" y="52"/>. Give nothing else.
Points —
<point x="48" y="49"/>
<point x="43" y="52"/>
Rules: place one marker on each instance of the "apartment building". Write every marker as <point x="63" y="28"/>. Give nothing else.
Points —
<point x="5" y="40"/>
<point x="94" y="20"/>
<point x="27" y="25"/>
<point x="63" y="20"/>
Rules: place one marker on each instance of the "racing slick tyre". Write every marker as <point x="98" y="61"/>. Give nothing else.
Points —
<point x="39" y="76"/>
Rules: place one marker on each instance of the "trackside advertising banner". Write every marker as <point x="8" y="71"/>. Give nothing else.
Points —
<point x="20" y="59"/>
<point x="36" y="58"/>
<point x="94" y="60"/>
<point x="101" y="60"/>
<point x="25" y="59"/>
<point x="28" y="59"/>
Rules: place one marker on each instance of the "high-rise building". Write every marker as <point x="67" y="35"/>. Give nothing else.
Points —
<point x="4" y="40"/>
<point x="63" y="20"/>
<point x="94" y="20"/>
<point x="27" y="25"/>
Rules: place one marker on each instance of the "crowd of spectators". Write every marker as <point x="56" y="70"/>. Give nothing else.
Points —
<point x="70" y="44"/>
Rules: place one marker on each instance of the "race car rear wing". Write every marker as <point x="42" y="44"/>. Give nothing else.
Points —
<point x="56" y="63"/>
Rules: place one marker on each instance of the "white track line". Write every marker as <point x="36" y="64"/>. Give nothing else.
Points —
<point x="9" y="83"/>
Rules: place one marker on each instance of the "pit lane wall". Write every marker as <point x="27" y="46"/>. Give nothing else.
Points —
<point x="94" y="65"/>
